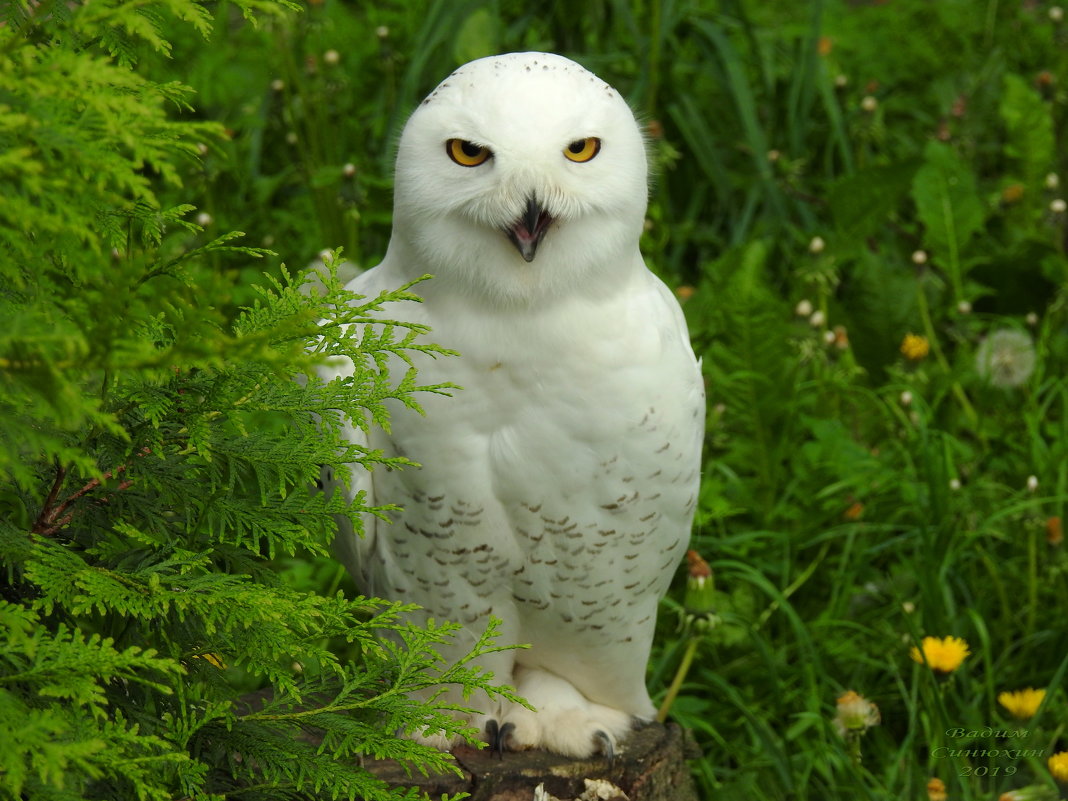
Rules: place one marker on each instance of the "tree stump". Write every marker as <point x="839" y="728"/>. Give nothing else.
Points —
<point x="651" y="766"/>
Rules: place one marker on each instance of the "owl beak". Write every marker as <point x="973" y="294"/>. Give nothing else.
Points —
<point x="527" y="231"/>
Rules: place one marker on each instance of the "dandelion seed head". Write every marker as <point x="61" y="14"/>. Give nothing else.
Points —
<point x="348" y="170"/>
<point x="204" y="219"/>
<point x="816" y="245"/>
<point x="278" y="85"/>
<point x="1056" y="13"/>
<point x="954" y="484"/>
<point x="906" y="398"/>
<point x="803" y="308"/>
<point x="855" y="714"/>
<point x="1032" y="483"/>
<point x="869" y="103"/>
<point x="1058" y="205"/>
<point x="919" y="257"/>
<point x="1006" y="358"/>
<point x="331" y="57"/>
<point x="817" y="319"/>
<point x="964" y="307"/>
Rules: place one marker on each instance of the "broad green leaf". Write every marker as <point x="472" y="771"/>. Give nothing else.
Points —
<point x="861" y="202"/>
<point x="1029" y="125"/>
<point x="947" y="202"/>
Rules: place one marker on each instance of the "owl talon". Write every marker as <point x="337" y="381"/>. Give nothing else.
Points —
<point x="608" y="746"/>
<point x="502" y="737"/>
<point x="496" y="735"/>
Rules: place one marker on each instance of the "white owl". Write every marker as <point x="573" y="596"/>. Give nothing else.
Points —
<point x="556" y="490"/>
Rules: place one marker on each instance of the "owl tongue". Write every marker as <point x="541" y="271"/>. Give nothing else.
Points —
<point x="527" y="231"/>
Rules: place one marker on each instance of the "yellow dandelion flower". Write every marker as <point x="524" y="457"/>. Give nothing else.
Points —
<point x="915" y="347"/>
<point x="1058" y="766"/>
<point x="943" y="654"/>
<point x="1022" y="703"/>
<point x="936" y="790"/>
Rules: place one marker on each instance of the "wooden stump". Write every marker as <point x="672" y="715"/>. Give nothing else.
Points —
<point x="650" y="767"/>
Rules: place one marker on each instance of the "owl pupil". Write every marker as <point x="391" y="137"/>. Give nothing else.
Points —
<point x="470" y="150"/>
<point x="576" y="146"/>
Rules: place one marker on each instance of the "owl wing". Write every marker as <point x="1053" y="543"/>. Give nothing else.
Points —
<point x="355" y="549"/>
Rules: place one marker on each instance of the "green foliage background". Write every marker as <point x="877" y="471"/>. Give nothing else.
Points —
<point x="885" y="168"/>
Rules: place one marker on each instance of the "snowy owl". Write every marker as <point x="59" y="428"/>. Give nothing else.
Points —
<point x="557" y="488"/>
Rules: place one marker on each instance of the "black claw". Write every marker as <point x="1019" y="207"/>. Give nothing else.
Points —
<point x="607" y="747"/>
<point x="502" y="737"/>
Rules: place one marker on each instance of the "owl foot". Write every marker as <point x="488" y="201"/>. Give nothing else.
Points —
<point x="563" y="720"/>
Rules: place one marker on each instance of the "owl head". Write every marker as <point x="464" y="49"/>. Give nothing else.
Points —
<point x="519" y="177"/>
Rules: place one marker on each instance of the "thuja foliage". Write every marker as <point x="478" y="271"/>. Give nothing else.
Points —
<point x="156" y="453"/>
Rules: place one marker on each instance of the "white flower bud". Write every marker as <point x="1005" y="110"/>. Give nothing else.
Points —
<point x="964" y="307"/>
<point x="954" y="484"/>
<point x="1032" y="319"/>
<point x="204" y="219"/>
<point x="331" y="57"/>
<point x="828" y="337"/>
<point x="841" y="81"/>
<point x="1032" y="483"/>
<point x="803" y="308"/>
<point x="278" y="84"/>
<point x="291" y="138"/>
<point x="869" y="103"/>
<point x="816" y="245"/>
<point x="817" y="319"/>
<point x="1058" y="206"/>
<point x="908" y="607"/>
<point x="919" y="257"/>
<point x="1053" y="180"/>
<point x="382" y="32"/>
<point x="324" y="254"/>
<point x="349" y="170"/>
<point x="906" y="398"/>
<point x="1056" y="13"/>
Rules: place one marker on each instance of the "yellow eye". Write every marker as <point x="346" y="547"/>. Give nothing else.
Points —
<point x="583" y="149"/>
<point x="467" y="154"/>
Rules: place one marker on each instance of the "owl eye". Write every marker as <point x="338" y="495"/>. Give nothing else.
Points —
<point x="467" y="154"/>
<point x="583" y="149"/>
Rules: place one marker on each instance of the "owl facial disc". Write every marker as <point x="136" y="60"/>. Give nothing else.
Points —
<point x="526" y="232"/>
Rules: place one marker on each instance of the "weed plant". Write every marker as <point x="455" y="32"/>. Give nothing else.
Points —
<point x="862" y="208"/>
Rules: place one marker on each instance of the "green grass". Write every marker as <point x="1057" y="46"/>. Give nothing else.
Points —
<point x="842" y="523"/>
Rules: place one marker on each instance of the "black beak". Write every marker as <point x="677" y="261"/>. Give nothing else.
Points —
<point x="527" y="231"/>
